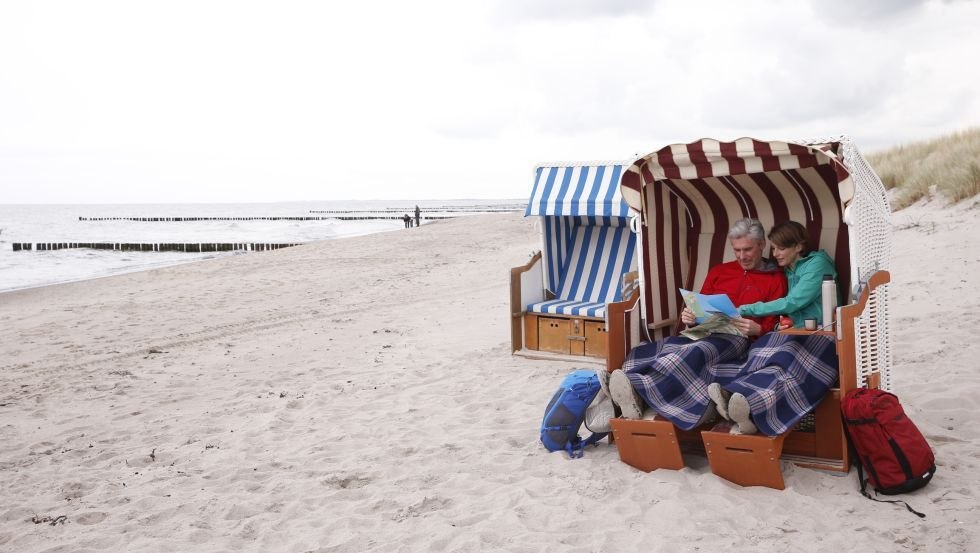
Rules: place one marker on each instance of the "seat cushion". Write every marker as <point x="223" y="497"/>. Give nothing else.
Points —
<point x="569" y="307"/>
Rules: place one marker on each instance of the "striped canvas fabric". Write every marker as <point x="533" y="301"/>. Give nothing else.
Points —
<point x="690" y="194"/>
<point x="594" y="258"/>
<point x="578" y="190"/>
<point x="587" y="241"/>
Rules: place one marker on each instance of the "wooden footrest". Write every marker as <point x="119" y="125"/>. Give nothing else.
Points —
<point x="745" y="459"/>
<point x="647" y="444"/>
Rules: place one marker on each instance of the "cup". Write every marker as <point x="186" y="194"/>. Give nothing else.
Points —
<point x="810" y="324"/>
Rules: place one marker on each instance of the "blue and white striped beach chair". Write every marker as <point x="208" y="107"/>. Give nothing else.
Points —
<point x="560" y="300"/>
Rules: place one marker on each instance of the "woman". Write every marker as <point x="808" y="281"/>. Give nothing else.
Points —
<point x="785" y="376"/>
<point x="805" y="270"/>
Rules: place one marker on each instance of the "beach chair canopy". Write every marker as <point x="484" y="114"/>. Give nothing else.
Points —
<point x="587" y="242"/>
<point x="690" y="194"/>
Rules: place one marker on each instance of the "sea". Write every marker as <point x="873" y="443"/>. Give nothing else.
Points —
<point x="244" y="223"/>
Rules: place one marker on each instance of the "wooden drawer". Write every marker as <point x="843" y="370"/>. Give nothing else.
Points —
<point x="595" y="339"/>
<point x="572" y="336"/>
<point x="554" y="334"/>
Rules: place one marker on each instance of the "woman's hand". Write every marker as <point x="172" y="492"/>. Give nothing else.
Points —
<point x="687" y="316"/>
<point x="784" y="323"/>
<point x="747" y="326"/>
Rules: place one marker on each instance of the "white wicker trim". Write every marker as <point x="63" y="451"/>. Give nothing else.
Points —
<point x="870" y="230"/>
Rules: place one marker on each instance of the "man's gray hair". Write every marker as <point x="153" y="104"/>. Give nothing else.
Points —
<point x="750" y="228"/>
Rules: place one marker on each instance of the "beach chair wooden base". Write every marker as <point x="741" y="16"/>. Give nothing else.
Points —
<point x="823" y="447"/>
<point x="565" y="335"/>
<point x="745" y="459"/>
<point x="651" y="444"/>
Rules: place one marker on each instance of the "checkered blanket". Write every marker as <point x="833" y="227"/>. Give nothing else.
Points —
<point x="784" y="378"/>
<point x="672" y="375"/>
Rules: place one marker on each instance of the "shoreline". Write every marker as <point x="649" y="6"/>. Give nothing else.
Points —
<point x="162" y="265"/>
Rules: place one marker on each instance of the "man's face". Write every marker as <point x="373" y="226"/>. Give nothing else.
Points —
<point x="748" y="252"/>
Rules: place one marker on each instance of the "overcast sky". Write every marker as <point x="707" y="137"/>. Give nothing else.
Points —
<point x="137" y="101"/>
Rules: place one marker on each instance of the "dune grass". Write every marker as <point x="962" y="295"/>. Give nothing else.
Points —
<point x="950" y="163"/>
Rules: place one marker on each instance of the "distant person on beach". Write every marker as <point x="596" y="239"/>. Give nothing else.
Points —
<point x="672" y="375"/>
<point x="408" y="221"/>
<point x="418" y="214"/>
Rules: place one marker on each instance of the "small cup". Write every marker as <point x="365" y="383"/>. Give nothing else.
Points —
<point x="810" y="324"/>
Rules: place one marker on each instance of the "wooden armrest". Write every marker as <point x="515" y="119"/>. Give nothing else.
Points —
<point x="527" y="266"/>
<point x="662" y="324"/>
<point x="516" y="305"/>
<point x="849" y="312"/>
<point x="846" y="344"/>
<point x="625" y="303"/>
<point x="803" y="331"/>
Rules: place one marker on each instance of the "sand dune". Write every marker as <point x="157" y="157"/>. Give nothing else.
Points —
<point x="359" y="395"/>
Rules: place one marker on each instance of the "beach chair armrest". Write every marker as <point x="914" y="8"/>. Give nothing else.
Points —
<point x="526" y="286"/>
<point x="859" y="331"/>
<point x="622" y="329"/>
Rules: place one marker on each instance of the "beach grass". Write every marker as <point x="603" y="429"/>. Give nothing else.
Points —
<point x="947" y="166"/>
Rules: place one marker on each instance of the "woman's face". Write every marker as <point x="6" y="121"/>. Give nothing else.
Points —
<point x="786" y="257"/>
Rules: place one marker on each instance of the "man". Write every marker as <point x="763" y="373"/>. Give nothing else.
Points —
<point x="672" y="375"/>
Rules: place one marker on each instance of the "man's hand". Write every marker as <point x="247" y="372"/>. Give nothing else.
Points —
<point x="687" y="316"/>
<point x="747" y="326"/>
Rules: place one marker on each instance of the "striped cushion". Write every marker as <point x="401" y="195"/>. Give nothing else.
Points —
<point x="569" y="307"/>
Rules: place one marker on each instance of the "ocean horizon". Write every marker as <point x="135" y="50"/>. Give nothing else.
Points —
<point x="197" y="223"/>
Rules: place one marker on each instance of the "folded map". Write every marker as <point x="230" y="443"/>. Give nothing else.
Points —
<point x="712" y="312"/>
<point x="704" y="305"/>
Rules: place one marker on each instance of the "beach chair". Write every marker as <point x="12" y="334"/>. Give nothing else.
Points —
<point x="687" y="195"/>
<point x="562" y="299"/>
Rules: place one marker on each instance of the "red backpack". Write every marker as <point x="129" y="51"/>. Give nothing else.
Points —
<point x="889" y="446"/>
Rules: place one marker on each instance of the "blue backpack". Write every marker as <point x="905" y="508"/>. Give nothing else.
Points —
<point x="581" y="398"/>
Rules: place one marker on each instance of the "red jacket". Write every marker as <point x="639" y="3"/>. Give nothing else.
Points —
<point x="744" y="287"/>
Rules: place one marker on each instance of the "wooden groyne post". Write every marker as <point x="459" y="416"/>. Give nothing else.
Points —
<point x="191" y="247"/>
<point x="197" y="219"/>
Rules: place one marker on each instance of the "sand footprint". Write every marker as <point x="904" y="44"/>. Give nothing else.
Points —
<point x="90" y="518"/>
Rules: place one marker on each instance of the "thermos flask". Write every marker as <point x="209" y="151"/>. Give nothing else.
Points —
<point x="829" y="292"/>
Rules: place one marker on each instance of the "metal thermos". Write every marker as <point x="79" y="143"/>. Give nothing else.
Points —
<point x="829" y="292"/>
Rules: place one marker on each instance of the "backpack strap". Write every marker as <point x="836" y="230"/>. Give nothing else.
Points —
<point x="576" y="450"/>
<point x="864" y="492"/>
<point x="864" y="482"/>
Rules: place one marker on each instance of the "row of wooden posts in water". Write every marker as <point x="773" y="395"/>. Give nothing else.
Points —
<point x="194" y="219"/>
<point x="151" y="247"/>
<point x="225" y="246"/>
<point x="467" y="209"/>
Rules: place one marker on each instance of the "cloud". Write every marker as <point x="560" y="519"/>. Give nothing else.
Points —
<point x="406" y="99"/>
<point x="864" y="13"/>
<point x="557" y="10"/>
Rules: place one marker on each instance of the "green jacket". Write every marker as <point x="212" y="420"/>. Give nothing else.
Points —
<point x="803" y="301"/>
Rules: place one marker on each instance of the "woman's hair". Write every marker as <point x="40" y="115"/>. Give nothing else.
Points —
<point x="789" y="234"/>
<point x="750" y="228"/>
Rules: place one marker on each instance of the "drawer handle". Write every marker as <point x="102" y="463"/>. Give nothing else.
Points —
<point x="577" y="338"/>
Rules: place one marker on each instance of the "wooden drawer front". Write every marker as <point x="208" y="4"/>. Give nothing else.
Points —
<point x="595" y="338"/>
<point x="553" y="334"/>
<point x="561" y="335"/>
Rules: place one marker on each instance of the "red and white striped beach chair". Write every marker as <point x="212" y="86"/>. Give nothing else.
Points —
<point x="561" y="298"/>
<point x="687" y="196"/>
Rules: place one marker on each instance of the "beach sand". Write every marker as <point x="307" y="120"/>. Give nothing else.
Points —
<point x="360" y="395"/>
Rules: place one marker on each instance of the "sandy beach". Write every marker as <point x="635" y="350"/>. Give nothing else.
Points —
<point x="360" y="395"/>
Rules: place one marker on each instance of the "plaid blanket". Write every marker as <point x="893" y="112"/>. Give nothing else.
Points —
<point x="672" y="375"/>
<point x="784" y="378"/>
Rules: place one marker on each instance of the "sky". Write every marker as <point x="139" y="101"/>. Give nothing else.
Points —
<point x="241" y="101"/>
